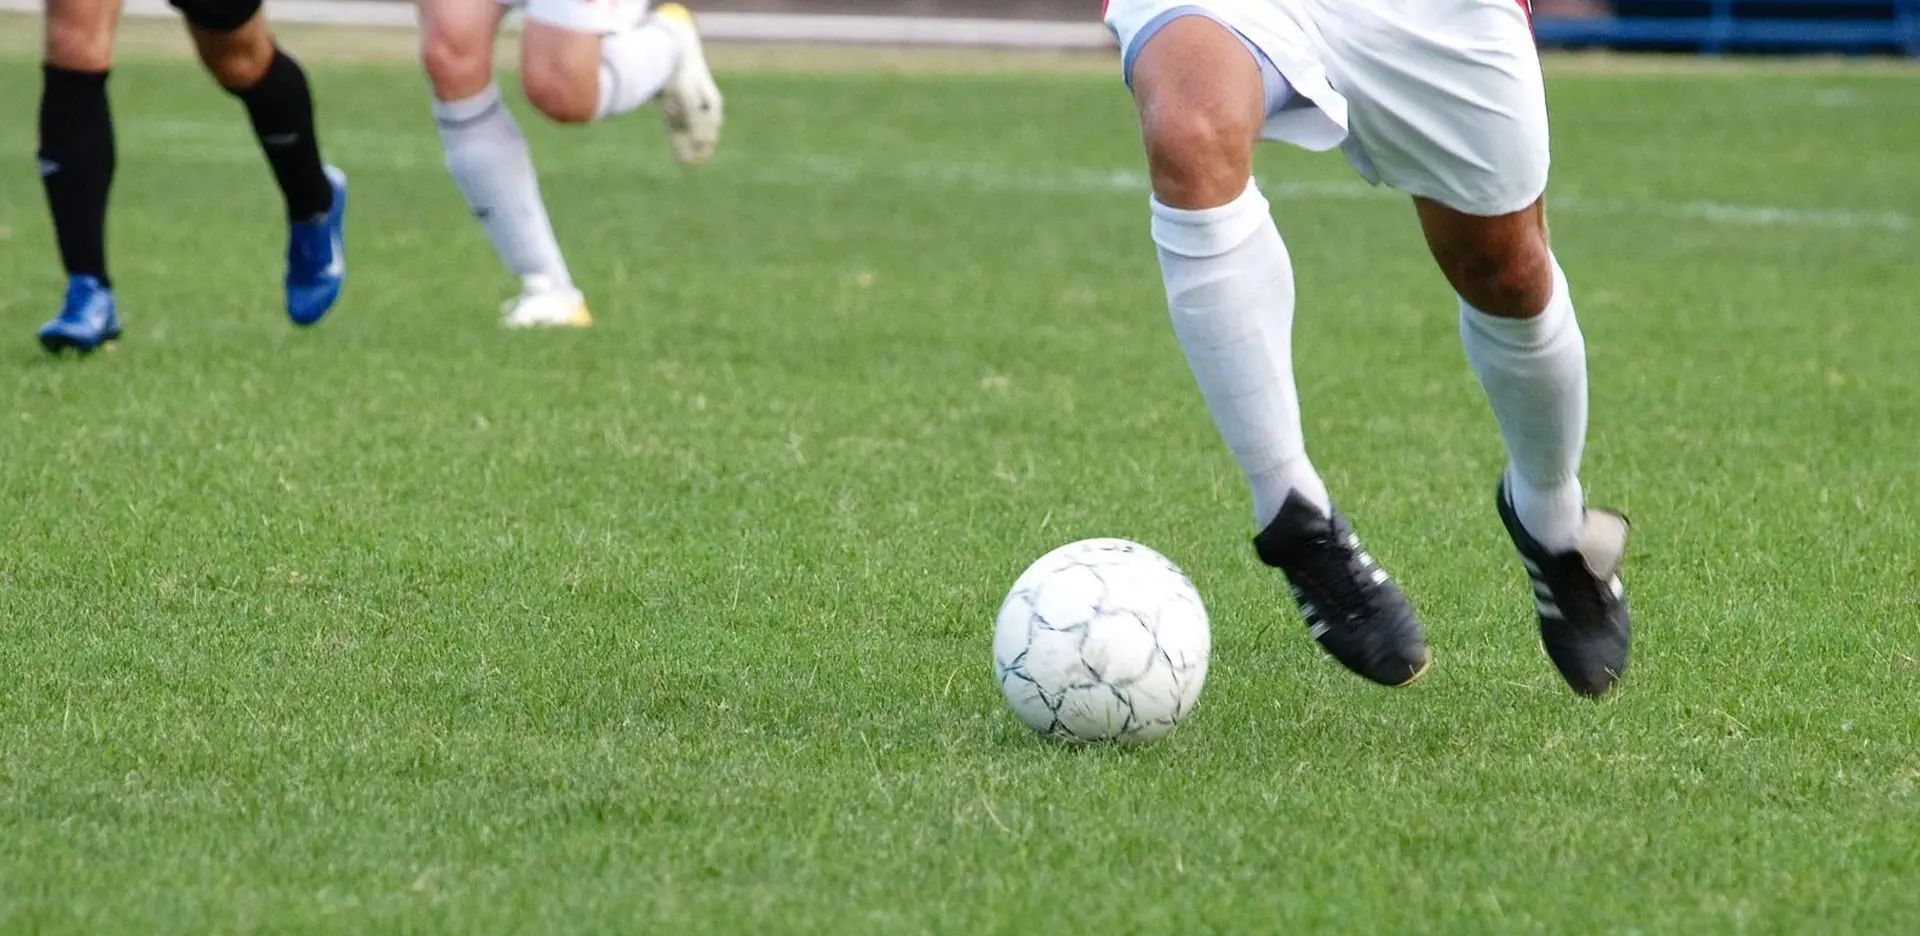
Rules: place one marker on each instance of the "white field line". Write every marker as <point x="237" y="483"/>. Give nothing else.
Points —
<point x="202" y="141"/>
<point x="723" y="27"/>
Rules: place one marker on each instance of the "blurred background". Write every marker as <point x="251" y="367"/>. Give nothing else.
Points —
<point x="1753" y="26"/>
<point x="1767" y="27"/>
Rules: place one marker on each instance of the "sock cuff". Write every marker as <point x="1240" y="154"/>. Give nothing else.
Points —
<point x="76" y="118"/>
<point x="272" y="77"/>
<point x="276" y="73"/>
<point x="1535" y="332"/>
<point x="73" y="77"/>
<point x="470" y="110"/>
<point x="1210" y="232"/>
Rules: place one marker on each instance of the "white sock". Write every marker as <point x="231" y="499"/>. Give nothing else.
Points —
<point x="1535" y="374"/>
<point x="489" y="160"/>
<point x="1230" y="291"/>
<point x="634" y="65"/>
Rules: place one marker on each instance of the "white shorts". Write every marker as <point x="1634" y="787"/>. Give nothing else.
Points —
<point x="1441" y="99"/>
<point x="587" y="16"/>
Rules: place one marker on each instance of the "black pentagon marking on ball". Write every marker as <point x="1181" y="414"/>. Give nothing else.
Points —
<point x="1017" y="670"/>
<point x="1059" y="731"/>
<point x="1015" y="667"/>
<point x="1077" y="629"/>
<point x="1023" y="677"/>
<point x="1048" y="699"/>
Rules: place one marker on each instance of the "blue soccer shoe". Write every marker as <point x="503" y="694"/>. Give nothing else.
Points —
<point x="317" y="258"/>
<point x="88" y="318"/>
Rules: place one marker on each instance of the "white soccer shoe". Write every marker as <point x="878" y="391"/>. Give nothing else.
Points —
<point x="690" y="104"/>
<point x="542" y="304"/>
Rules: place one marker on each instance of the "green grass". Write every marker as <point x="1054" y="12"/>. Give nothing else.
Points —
<point x="681" y="625"/>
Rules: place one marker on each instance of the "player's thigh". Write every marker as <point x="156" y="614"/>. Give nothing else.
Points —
<point x="1202" y="101"/>
<point x="1501" y="264"/>
<point x="456" y="45"/>
<point x="232" y="38"/>
<point x="1446" y="100"/>
<point x="79" y="33"/>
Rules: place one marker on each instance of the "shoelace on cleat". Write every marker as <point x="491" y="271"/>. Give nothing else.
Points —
<point x="1330" y="573"/>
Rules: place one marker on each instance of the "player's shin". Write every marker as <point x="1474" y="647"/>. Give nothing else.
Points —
<point x="1230" y="291"/>
<point x="488" y="158"/>
<point x="76" y="165"/>
<point x="1534" y="372"/>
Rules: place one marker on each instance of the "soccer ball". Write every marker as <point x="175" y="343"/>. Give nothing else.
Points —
<point x="1102" y="640"/>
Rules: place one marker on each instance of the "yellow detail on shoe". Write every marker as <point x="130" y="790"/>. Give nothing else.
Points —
<point x="1422" y="671"/>
<point x="580" y="318"/>
<point x="675" y="12"/>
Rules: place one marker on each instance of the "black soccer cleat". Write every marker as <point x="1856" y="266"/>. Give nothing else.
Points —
<point x="1583" y="607"/>
<point x="1352" y="608"/>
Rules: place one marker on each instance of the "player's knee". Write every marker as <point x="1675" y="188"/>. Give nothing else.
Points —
<point x="79" y="45"/>
<point x="1199" y="158"/>
<point x="239" y="64"/>
<point x="561" y="94"/>
<point x="458" y="70"/>
<point x="1514" y="281"/>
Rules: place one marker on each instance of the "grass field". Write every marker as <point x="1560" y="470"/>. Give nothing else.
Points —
<point x="680" y="625"/>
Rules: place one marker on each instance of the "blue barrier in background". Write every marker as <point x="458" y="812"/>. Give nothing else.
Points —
<point x="1734" y="25"/>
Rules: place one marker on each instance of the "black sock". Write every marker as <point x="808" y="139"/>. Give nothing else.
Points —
<point x="282" y="112"/>
<point x="76" y="165"/>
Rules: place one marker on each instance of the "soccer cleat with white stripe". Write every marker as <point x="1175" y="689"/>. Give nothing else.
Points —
<point x="317" y="258"/>
<point x="690" y="104"/>
<point x="1584" y="623"/>
<point x="1356" y="612"/>
<point x="543" y="304"/>
<point x="88" y="319"/>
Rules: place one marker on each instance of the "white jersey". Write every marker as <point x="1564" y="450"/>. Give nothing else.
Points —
<point x="1441" y="99"/>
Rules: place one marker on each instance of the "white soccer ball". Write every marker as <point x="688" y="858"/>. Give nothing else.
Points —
<point x="1102" y="640"/>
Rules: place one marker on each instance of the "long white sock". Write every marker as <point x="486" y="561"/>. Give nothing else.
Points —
<point x="489" y="160"/>
<point x="635" y="64"/>
<point x="1535" y="374"/>
<point x="1230" y="290"/>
